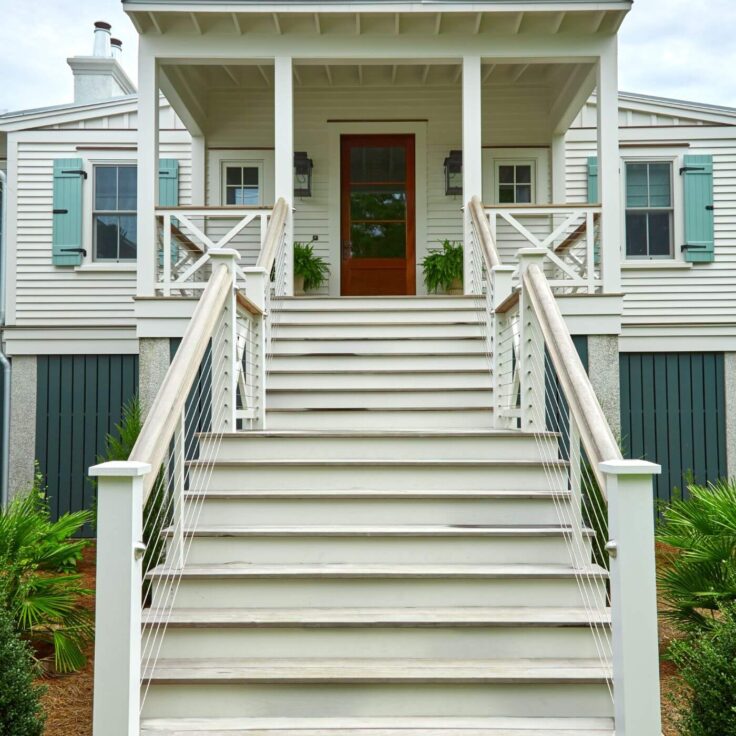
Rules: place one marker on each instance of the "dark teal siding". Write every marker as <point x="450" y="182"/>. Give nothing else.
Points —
<point x="80" y="399"/>
<point x="673" y="413"/>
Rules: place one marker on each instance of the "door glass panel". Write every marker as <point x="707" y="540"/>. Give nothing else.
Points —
<point x="377" y="203"/>
<point x="377" y="164"/>
<point x="378" y="239"/>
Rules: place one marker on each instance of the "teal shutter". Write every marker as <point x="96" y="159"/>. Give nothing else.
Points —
<point x="592" y="180"/>
<point x="66" y="241"/>
<point x="168" y="193"/>
<point x="699" y="226"/>
<point x="168" y="182"/>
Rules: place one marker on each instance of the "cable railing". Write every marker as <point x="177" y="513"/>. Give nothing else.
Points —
<point x="149" y="506"/>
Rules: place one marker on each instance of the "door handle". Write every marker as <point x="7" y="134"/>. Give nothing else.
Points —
<point x="347" y="246"/>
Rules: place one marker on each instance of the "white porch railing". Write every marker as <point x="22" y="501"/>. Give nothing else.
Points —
<point x="187" y="234"/>
<point x="149" y="505"/>
<point x="568" y="235"/>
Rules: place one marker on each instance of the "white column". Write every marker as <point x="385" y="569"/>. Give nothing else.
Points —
<point x="633" y="596"/>
<point x="472" y="151"/>
<point x="148" y="111"/>
<point x="118" y="609"/>
<point x="608" y="168"/>
<point x="284" y="151"/>
<point x="199" y="169"/>
<point x="559" y="162"/>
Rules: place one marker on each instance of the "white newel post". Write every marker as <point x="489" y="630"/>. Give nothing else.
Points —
<point x="284" y="153"/>
<point x="531" y="351"/>
<point x="633" y="596"/>
<point x="609" y="193"/>
<point x="224" y="351"/>
<point x="257" y="281"/>
<point x="472" y="155"/>
<point x="148" y="125"/>
<point x="118" y="600"/>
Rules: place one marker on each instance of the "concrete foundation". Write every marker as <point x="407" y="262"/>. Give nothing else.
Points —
<point x="22" y="451"/>
<point x="603" y="369"/>
<point x="729" y="365"/>
<point x="153" y="361"/>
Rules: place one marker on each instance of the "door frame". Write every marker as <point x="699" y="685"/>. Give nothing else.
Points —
<point x="336" y="129"/>
<point x="408" y="142"/>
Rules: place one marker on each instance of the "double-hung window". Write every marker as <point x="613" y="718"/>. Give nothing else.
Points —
<point x="648" y="209"/>
<point x="115" y="221"/>
<point x="242" y="185"/>
<point x="515" y="183"/>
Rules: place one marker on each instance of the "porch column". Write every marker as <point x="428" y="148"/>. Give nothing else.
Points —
<point x="608" y="167"/>
<point x="472" y="151"/>
<point x="148" y="112"/>
<point x="559" y="163"/>
<point x="199" y="167"/>
<point x="284" y="151"/>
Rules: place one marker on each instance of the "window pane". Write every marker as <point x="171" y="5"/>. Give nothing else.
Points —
<point x="105" y="187"/>
<point x="659" y="185"/>
<point x="636" y="234"/>
<point x="127" y="188"/>
<point x="128" y="236"/>
<point x="523" y="174"/>
<point x="242" y="196"/>
<point x="506" y="194"/>
<point x="378" y="240"/>
<point x="659" y="233"/>
<point x="250" y="176"/>
<point x="636" y="185"/>
<point x="506" y="174"/>
<point x="373" y="163"/>
<point x="234" y="176"/>
<point x="106" y="233"/>
<point x="524" y="193"/>
<point x="376" y="204"/>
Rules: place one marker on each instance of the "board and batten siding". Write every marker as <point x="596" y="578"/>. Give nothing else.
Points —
<point x="49" y="296"/>
<point x="80" y="399"/>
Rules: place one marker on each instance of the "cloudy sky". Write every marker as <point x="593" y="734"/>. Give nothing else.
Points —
<point x="673" y="48"/>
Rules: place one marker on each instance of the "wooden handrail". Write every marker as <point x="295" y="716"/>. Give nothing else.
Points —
<point x="545" y="207"/>
<point x="480" y="222"/>
<point x="163" y="416"/>
<point x="595" y="434"/>
<point x="273" y="233"/>
<point x="234" y="208"/>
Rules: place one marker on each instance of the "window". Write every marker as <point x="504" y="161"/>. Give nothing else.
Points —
<point x="242" y="185"/>
<point x="515" y="183"/>
<point x="648" y="209"/>
<point x="114" y="217"/>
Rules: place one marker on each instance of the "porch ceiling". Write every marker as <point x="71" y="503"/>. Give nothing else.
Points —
<point x="331" y="19"/>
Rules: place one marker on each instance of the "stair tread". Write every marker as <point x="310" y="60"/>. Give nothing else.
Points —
<point x="346" y="570"/>
<point x="357" y="670"/>
<point x="358" y="462"/>
<point x="381" y="494"/>
<point x="377" y="530"/>
<point x="518" y="616"/>
<point x="398" y="726"/>
<point x="379" y="433"/>
<point x="378" y="390"/>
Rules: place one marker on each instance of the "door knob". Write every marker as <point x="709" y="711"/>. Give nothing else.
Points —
<point x="347" y="246"/>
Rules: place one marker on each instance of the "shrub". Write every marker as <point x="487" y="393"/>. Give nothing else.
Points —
<point x="313" y="268"/>
<point x="20" y="698"/>
<point x="39" y="585"/>
<point x="442" y="266"/>
<point x="701" y="574"/>
<point x="706" y="661"/>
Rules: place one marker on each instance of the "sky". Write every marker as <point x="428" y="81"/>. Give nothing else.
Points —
<point x="683" y="49"/>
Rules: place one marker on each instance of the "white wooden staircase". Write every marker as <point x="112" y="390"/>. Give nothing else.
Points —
<point x="390" y="564"/>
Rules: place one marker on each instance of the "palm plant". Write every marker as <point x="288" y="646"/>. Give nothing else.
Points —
<point x="443" y="266"/>
<point x="39" y="584"/>
<point x="701" y="574"/>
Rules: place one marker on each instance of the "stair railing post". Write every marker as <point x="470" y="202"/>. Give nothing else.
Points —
<point x="224" y="351"/>
<point x="531" y="351"/>
<point x="118" y="600"/>
<point x="633" y="596"/>
<point x="501" y="283"/>
<point x="257" y="283"/>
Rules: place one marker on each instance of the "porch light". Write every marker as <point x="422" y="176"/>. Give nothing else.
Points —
<point x="302" y="174"/>
<point x="454" y="173"/>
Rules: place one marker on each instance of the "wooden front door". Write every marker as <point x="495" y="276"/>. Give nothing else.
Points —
<point x="377" y="217"/>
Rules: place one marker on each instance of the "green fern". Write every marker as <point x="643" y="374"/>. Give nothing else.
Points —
<point x="313" y="268"/>
<point x="39" y="584"/>
<point x="442" y="266"/>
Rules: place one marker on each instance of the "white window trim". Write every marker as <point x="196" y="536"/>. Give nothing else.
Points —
<point x="247" y="157"/>
<point x="498" y="163"/>
<point x="676" y="259"/>
<point x="242" y="163"/>
<point x="539" y="158"/>
<point x="122" y="158"/>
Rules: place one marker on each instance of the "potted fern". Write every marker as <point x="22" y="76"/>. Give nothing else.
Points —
<point x="310" y="270"/>
<point x="443" y="268"/>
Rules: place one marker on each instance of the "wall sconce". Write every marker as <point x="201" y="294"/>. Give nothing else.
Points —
<point x="302" y="174"/>
<point x="454" y="173"/>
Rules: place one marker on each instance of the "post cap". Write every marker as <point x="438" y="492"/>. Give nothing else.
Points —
<point x="120" y="469"/>
<point x="223" y="253"/>
<point x="630" y="467"/>
<point x="531" y="253"/>
<point x="503" y="269"/>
